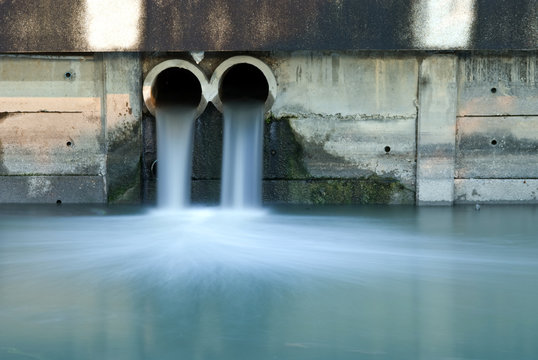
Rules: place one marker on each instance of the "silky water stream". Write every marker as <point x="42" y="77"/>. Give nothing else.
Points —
<point x="242" y="155"/>
<point x="175" y="126"/>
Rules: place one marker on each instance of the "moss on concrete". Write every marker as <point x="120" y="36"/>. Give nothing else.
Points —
<point x="123" y="164"/>
<point x="288" y="180"/>
<point x="283" y="154"/>
<point x="370" y="190"/>
<point x="126" y="189"/>
<point x="3" y="169"/>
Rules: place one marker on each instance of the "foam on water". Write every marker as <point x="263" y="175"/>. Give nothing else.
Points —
<point x="174" y="151"/>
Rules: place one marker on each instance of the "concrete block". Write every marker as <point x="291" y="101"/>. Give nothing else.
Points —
<point x="51" y="189"/>
<point x="436" y="130"/>
<point x="498" y="85"/>
<point x="207" y="151"/>
<point x="497" y="147"/>
<point x="50" y="76"/>
<point x="50" y="125"/>
<point x="336" y="191"/>
<point x="339" y="147"/>
<point x="496" y="191"/>
<point x="205" y="192"/>
<point x="346" y="83"/>
<point x="51" y="144"/>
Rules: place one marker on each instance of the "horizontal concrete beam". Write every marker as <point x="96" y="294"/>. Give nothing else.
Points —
<point x="496" y="191"/>
<point x="265" y="25"/>
<point x="52" y="189"/>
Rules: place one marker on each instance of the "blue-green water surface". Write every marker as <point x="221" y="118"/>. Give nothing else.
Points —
<point x="282" y="283"/>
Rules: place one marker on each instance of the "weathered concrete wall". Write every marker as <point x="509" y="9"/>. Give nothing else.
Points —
<point x="352" y="127"/>
<point x="346" y="127"/>
<point x="353" y="117"/>
<point x="497" y="129"/>
<point x="436" y="130"/>
<point x="342" y="130"/>
<point x="123" y="99"/>
<point x="68" y="127"/>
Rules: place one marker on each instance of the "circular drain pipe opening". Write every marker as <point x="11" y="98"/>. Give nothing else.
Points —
<point x="243" y="82"/>
<point x="175" y="83"/>
<point x="175" y="86"/>
<point x="243" y="78"/>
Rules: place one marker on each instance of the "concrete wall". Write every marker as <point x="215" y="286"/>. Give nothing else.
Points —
<point x="497" y="129"/>
<point x="353" y="117"/>
<point x="346" y="127"/>
<point x="69" y="128"/>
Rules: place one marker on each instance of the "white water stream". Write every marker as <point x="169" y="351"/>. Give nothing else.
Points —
<point x="174" y="150"/>
<point x="242" y="155"/>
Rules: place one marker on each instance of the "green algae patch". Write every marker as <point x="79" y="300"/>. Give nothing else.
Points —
<point x="126" y="188"/>
<point x="369" y="190"/>
<point x="123" y="164"/>
<point x="283" y="154"/>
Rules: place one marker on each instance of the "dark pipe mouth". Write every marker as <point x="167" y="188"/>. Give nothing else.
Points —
<point x="243" y="82"/>
<point x="176" y="86"/>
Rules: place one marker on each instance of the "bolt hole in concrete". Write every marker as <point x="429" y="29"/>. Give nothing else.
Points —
<point x="493" y="90"/>
<point x="68" y="75"/>
<point x="69" y="144"/>
<point x="58" y="202"/>
<point x="387" y="149"/>
<point x="493" y="142"/>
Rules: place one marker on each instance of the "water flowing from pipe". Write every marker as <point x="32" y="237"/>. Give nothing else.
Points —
<point x="242" y="155"/>
<point x="174" y="151"/>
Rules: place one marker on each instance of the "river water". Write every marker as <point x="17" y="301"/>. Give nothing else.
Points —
<point x="278" y="283"/>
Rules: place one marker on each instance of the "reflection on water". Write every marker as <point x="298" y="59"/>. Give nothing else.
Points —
<point x="370" y="283"/>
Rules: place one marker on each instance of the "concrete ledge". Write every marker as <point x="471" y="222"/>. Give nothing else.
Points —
<point x="496" y="191"/>
<point x="337" y="191"/>
<point x="50" y="189"/>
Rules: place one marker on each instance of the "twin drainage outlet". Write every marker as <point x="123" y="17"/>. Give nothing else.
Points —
<point x="179" y="82"/>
